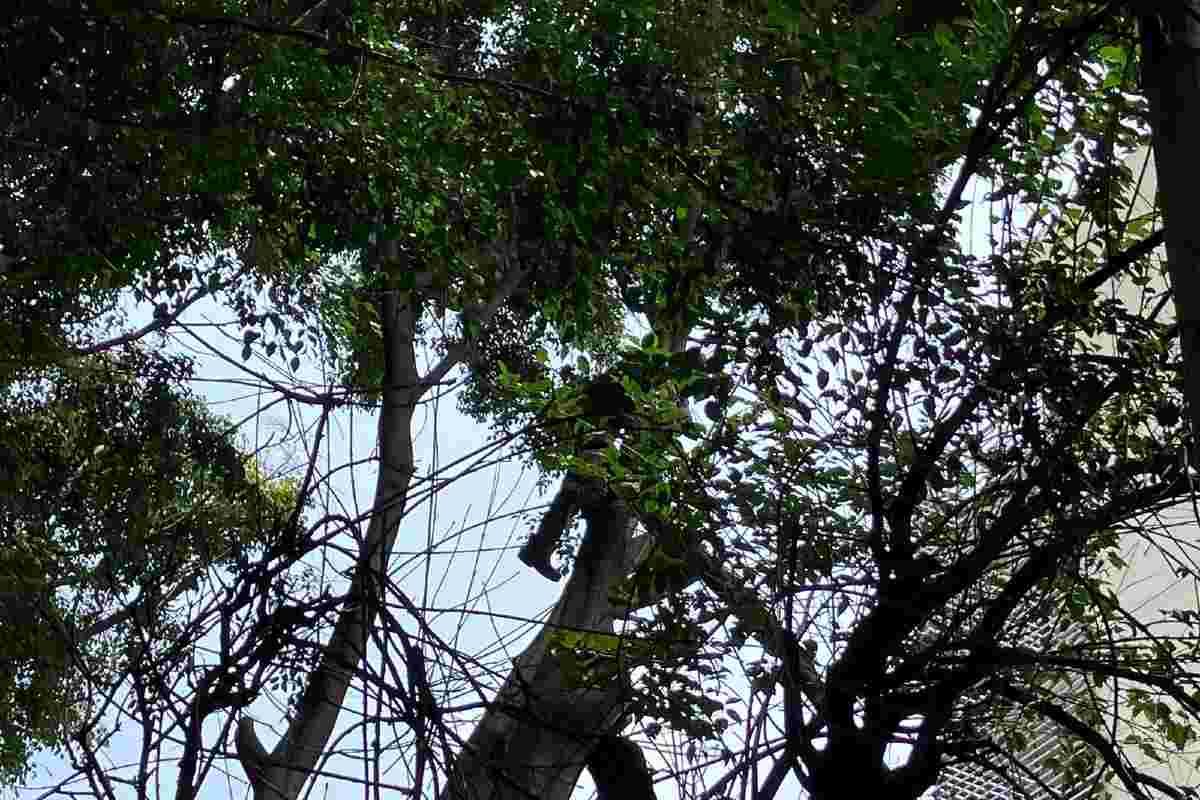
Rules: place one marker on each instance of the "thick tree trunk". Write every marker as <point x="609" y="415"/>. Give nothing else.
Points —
<point x="540" y="732"/>
<point x="1171" y="78"/>
<point x="619" y="770"/>
<point x="537" y="736"/>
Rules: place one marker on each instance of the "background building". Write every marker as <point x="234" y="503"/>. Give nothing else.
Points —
<point x="1152" y="584"/>
<point x="1149" y="586"/>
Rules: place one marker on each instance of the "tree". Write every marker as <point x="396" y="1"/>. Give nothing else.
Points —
<point x="911" y="458"/>
<point x="1168" y="33"/>
<point x="119" y="491"/>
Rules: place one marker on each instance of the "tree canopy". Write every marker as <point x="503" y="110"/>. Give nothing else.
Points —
<point x="838" y="317"/>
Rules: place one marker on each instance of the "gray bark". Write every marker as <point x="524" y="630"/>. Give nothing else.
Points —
<point x="540" y="732"/>
<point x="537" y="735"/>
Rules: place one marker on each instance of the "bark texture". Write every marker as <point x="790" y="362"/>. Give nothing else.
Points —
<point x="539" y="733"/>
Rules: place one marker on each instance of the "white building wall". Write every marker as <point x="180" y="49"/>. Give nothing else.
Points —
<point x="1147" y="587"/>
<point x="1150" y="585"/>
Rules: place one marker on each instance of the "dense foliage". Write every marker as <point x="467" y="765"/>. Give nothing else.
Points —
<point x="862" y="451"/>
<point x="118" y="493"/>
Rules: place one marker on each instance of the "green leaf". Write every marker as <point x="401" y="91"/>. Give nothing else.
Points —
<point x="1114" y="54"/>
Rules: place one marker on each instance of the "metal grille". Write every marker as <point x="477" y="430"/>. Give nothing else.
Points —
<point x="971" y="782"/>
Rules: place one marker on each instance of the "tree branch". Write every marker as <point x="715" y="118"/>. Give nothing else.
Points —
<point x="1131" y="778"/>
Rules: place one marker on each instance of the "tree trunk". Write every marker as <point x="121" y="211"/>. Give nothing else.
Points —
<point x="281" y="774"/>
<point x="1171" y="79"/>
<point x="536" y="737"/>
